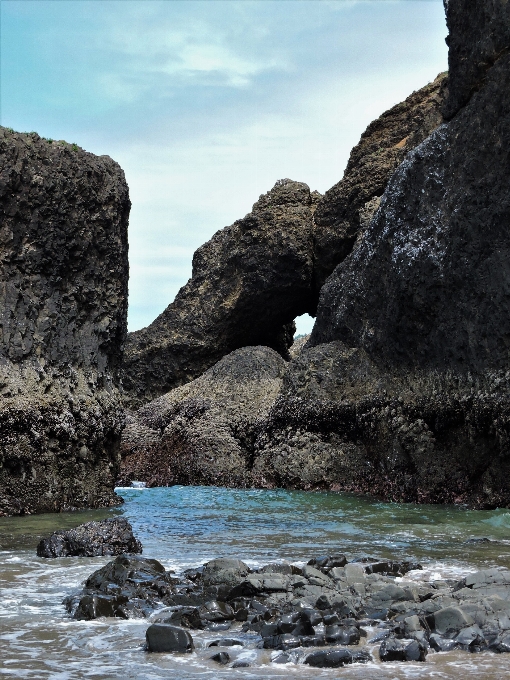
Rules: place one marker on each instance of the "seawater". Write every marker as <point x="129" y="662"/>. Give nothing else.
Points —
<point x="187" y="526"/>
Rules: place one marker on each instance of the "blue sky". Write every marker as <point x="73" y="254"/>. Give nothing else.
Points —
<point x="206" y="103"/>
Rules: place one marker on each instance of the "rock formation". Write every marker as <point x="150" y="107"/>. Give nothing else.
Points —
<point x="63" y="291"/>
<point x="403" y="389"/>
<point x="203" y="432"/>
<point x="249" y="282"/>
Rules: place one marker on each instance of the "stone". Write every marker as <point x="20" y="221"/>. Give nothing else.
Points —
<point x="248" y="284"/>
<point x="214" y="611"/>
<point x="226" y="642"/>
<point x="336" y="658"/>
<point x="162" y="637"/>
<point x="107" y="537"/>
<point x="222" y="658"/>
<point x="401" y="650"/>
<point x="63" y="299"/>
<point x="343" y="635"/>
<point x="441" y="644"/>
<point x="450" y="619"/>
<point x="283" y="642"/>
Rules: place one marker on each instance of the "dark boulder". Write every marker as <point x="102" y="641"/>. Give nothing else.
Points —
<point x="402" y="650"/>
<point x="108" y="537"/>
<point x="221" y="658"/>
<point x="336" y="658"/>
<point x="162" y="637"/>
<point x="63" y="300"/>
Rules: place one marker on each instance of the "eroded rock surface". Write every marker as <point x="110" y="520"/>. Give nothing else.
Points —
<point x="252" y="279"/>
<point x="63" y="292"/>
<point x="203" y="432"/>
<point x="249" y="283"/>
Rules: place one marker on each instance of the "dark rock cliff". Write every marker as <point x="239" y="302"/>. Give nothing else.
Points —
<point x="249" y="282"/>
<point x="63" y="292"/>
<point x="252" y="279"/>
<point x="405" y="382"/>
<point x="403" y="389"/>
<point x="349" y="205"/>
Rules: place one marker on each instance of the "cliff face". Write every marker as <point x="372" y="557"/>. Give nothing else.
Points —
<point x="63" y="293"/>
<point x="249" y="282"/>
<point x="252" y="279"/>
<point x="405" y="383"/>
<point x="403" y="389"/>
<point x="351" y="203"/>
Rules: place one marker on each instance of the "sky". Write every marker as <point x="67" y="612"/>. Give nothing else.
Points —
<point x="207" y="103"/>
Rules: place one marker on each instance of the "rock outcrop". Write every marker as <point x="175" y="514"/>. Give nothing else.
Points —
<point x="251" y="280"/>
<point x="403" y="389"/>
<point x="203" y="432"/>
<point x="63" y="292"/>
<point x="249" y="283"/>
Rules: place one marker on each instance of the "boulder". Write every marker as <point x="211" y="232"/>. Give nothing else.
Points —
<point x="249" y="283"/>
<point x="403" y="388"/>
<point x="336" y="658"/>
<point x="203" y="432"/>
<point x="108" y="537"/>
<point x="63" y="300"/>
<point x="162" y="637"/>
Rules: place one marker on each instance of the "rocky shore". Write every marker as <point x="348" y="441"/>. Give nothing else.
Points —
<point x="327" y="613"/>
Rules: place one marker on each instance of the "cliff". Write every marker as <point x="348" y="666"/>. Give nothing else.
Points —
<point x="63" y="293"/>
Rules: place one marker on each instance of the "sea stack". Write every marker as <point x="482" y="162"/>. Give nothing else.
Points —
<point x="404" y="387"/>
<point x="63" y="292"/>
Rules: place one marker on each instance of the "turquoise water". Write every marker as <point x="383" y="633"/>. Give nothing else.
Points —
<point x="186" y="526"/>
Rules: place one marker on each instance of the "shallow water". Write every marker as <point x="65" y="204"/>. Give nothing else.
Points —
<point x="186" y="526"/>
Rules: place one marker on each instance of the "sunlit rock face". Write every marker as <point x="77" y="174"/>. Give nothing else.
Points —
<point x="404" y="384"/>
<point x="63" y="294"/>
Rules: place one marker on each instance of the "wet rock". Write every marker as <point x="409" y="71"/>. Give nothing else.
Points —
<point x="162" y="637"/>
<point x="343" y="635"/>
<point x="441" y="644"/>
<point x="108" y="537"/>
<point x="283" y="642"/>
<point x="63" y="301"/>
<point x="400" y="650"/>
<point x="222" y="658"/>
<point x="128" y="587"/>
<point x="214" y="611"/>
<point x="185" y="617"/>
<point x="226" y="642"/>
<point x="450" y="620"/>
<point x="336" y="658"/>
